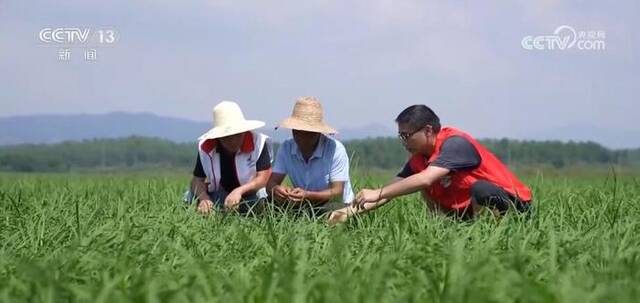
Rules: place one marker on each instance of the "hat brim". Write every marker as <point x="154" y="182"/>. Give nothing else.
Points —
<point x="234" y="129"/>
<point x="293" y="123"/>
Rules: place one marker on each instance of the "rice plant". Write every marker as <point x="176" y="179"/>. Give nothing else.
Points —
<point x="129" y="238"/>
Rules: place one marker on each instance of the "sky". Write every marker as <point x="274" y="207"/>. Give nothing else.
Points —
<point x="365" y="60"/>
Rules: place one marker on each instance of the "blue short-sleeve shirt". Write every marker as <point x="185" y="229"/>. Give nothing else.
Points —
<point x="329" y="163"/>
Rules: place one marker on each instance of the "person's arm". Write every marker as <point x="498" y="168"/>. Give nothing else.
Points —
<point x="370" y="199"/>
<point x="258" y="182"/>
<point x="456" y="154"/>
<point x="199" y="188"/>
<point x="263" y="172"/>
<point x="275" y="180"/>
<point x="342" y="214"/>
<point x="406" y="186"/>
<point x="406" y="172"/>
<point x="275" y="189"/>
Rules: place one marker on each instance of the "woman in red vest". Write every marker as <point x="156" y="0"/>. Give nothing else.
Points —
<point x="456" y="174"/>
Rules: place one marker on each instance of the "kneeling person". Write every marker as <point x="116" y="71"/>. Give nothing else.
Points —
<point x="317" y="165"/>
<point x="233" y="162"/>
<point x="455" y="173"/>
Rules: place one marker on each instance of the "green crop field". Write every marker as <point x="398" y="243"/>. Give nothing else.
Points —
<point x="123" y="237"/>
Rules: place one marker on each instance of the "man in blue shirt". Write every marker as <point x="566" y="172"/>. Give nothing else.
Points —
<point x="317" y="165"/>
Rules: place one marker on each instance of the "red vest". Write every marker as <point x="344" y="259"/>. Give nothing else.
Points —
<point x="453" y="192"/>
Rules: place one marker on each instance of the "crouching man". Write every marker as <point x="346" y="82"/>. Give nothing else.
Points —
<point x="317" y="165"/>
<point x="456" y="175"/>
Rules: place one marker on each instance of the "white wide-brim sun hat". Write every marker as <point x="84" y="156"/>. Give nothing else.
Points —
<point x="228" y="120"/>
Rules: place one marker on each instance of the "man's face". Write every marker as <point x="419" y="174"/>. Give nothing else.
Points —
<point x="305" y="139"/>
<point x="416" y="140"/>
<point x="232" y="143"/>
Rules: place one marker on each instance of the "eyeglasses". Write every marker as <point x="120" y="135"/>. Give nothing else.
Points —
<point x="404" y="136"/>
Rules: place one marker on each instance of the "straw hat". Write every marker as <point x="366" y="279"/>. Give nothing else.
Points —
<point x="228" y="120"/>
<point x="307" y="115"/>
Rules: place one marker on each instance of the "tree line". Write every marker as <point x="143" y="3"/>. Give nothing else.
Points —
<point x="382" y="153"/>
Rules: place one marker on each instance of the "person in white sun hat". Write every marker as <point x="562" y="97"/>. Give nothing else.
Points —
<point x="233" y="163"/>
<point x="317" y="165"/>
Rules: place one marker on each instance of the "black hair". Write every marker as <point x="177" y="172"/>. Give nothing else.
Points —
<point x="418" y="116"/>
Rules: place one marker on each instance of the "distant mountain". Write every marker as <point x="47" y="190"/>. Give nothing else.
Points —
<point x="75" y="127"/>
<point x="58" y="128"/>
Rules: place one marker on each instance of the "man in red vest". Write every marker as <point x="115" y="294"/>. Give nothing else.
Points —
<point x="456" y="174"/>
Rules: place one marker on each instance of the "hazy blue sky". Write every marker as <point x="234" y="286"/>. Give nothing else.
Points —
<point x="366" y="60"/>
